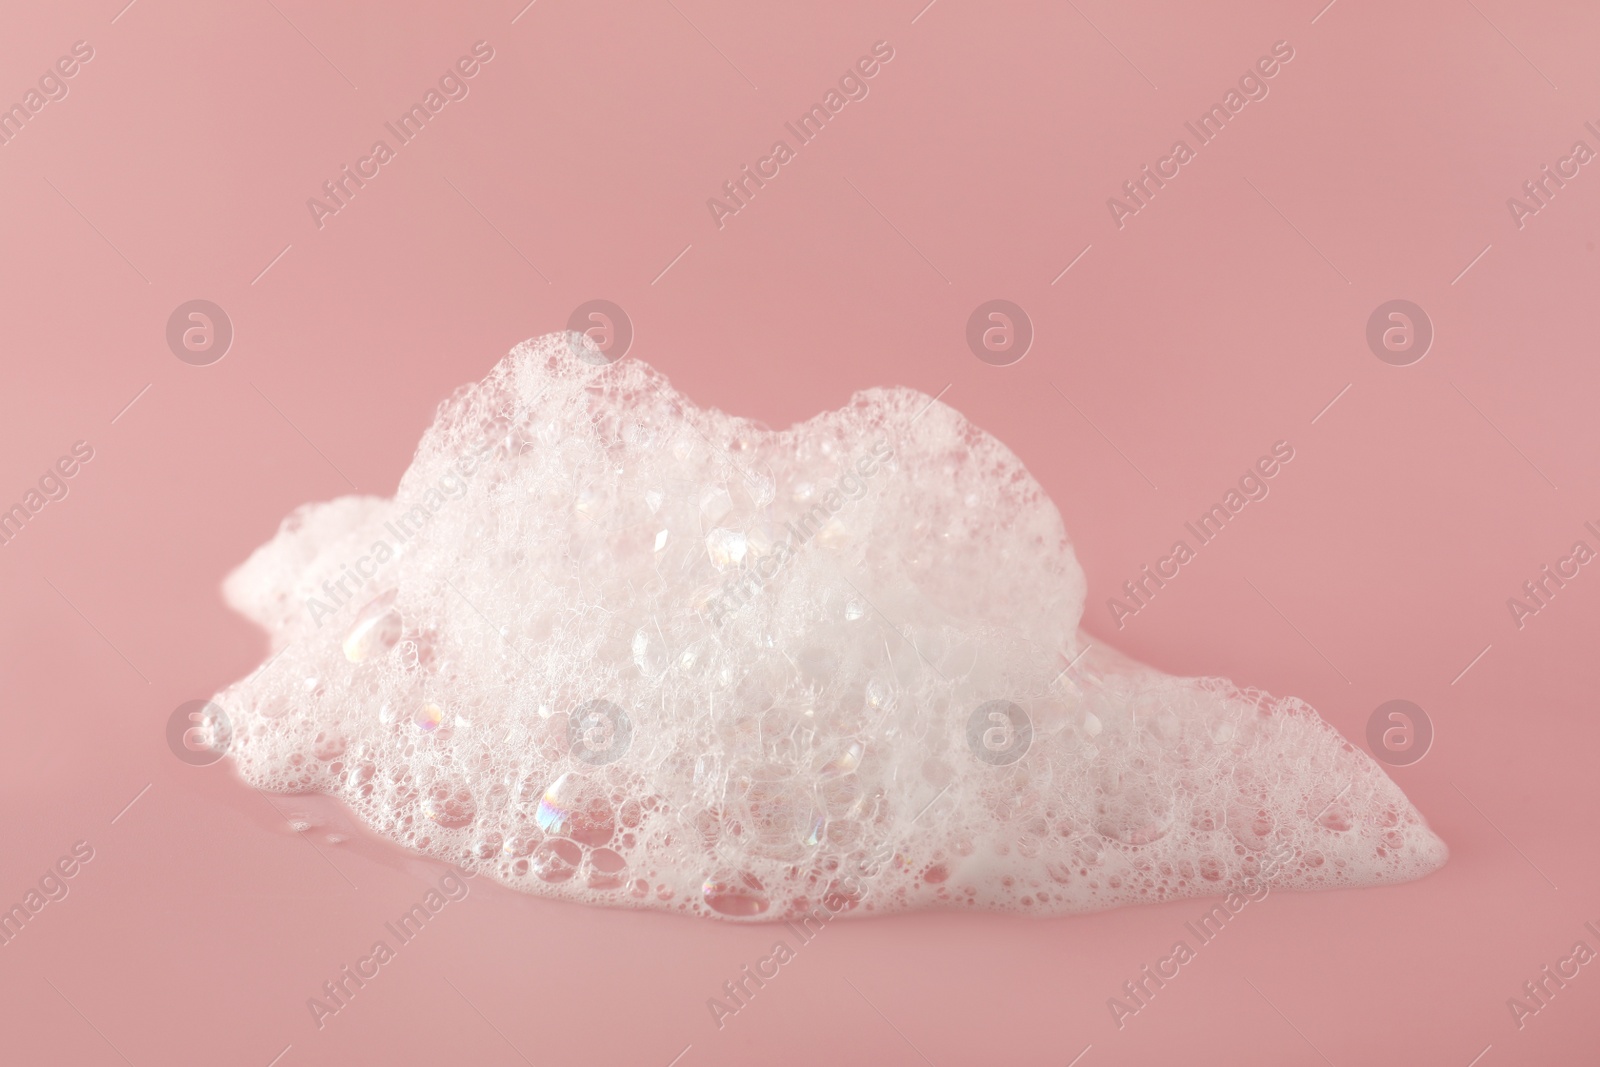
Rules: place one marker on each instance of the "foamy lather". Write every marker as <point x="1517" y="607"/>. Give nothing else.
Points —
<point x="636" y="653"/>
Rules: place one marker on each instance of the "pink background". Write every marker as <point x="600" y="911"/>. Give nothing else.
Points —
<point x="1223" y="317"/>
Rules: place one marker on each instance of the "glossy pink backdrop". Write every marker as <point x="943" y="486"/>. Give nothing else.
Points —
<point x="1228" y="313"/>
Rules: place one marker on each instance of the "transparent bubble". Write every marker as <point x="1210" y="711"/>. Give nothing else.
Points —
<point x="450" y="805"/>
<point x="1135" y="808"/>
<point x="376" y="628"/>
<point x="736" y="894"/>
<point x="555" y="860"/>
<point x="607" y="869"/>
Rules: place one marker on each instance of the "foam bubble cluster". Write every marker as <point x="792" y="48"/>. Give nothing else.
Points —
<point x="610" y="647"/>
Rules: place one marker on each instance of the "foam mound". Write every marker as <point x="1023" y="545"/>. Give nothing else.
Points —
<point x="610" y="647"/>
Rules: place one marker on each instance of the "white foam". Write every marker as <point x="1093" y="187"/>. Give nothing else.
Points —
<point x="553" y="683"/>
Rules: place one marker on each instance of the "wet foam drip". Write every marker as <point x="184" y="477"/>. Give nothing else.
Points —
<point x="610" y="647"/>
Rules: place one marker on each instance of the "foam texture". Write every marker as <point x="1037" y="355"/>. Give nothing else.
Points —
<point x="635" y="653"/>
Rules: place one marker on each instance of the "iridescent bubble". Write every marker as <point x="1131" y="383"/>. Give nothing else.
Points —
<point x="428" y="718"/>
<point x="574" y="807"/>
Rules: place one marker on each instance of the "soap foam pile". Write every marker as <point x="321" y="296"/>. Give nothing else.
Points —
<point x="635" y="653"/>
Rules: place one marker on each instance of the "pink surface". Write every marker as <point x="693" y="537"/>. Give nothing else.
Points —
<point x="1223" y="316"/>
